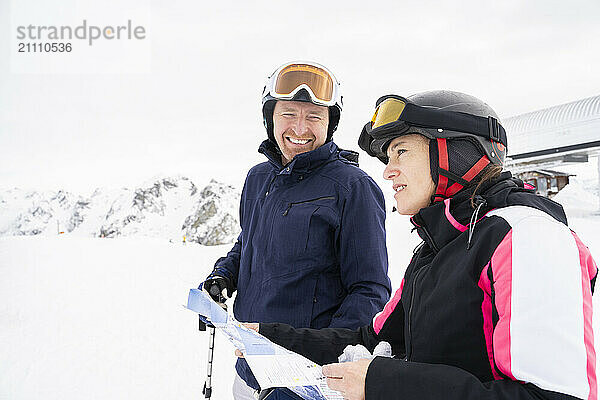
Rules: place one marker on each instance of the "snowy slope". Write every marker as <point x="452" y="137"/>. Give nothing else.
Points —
<point x="94" y="318"/>
<point x="577" y="200"/>
<point x="84" y="318"/>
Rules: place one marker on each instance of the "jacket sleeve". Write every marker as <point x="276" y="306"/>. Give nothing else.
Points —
<point x="363" y="255"/>
<point x="537" y="312"/>
<point x="322" y="346"/>
<point x="230" y="264"/>
<point x="390" y="378"/>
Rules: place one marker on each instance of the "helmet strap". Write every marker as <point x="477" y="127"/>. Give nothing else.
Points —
<point x="468" y="176"/>
<point x="442" y="191"/>
<point x="442" y="150"/>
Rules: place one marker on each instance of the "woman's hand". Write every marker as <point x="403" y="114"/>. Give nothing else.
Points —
<point x="254" y="326"/>
<point x="348" y="378"/>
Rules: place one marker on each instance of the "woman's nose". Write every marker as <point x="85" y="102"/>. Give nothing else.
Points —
<point x="389" y="172"/>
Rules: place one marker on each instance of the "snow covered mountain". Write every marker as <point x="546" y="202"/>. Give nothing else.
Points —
<point x="215" y="217"/>
<point x="34" y="213"/>
<point x="172" y="208"/>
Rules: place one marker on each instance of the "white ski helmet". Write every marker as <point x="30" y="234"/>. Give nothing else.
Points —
<point x="302" y="81"/>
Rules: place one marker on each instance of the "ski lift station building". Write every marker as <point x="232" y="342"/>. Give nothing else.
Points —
<point x="551" y="137"/>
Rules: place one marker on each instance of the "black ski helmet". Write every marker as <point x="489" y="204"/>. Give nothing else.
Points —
<point x="302" y="90"/>
<point x="464" y="132"/>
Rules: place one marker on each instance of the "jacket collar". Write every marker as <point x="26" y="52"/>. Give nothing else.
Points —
<point x="309" y="161"/>
<point x="442" y="222"/>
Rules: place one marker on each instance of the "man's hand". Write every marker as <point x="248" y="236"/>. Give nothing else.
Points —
<point x="348" y="378"/>
<point x="216" y="282"/>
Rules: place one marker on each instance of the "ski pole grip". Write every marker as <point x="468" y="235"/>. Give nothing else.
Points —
<point x="214" y="290"/>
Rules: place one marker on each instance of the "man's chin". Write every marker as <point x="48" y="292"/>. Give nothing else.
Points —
<point x="295" y="152"/>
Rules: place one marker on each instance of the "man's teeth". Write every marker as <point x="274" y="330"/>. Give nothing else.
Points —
<point x="399" y="188"/>
<point x="298" y="141"/>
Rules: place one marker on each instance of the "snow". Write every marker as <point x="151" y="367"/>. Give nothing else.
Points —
<point x="101" y="318"/>
<point x="577" y="200"/>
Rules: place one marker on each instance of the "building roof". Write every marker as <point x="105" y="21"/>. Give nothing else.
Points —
<point x="548" y="172"/>
<point x="564" y="126"/>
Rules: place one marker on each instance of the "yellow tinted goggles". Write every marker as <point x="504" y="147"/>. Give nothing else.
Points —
<point x="388" y="111"/>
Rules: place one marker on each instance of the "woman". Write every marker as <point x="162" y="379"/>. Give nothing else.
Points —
<point x="496" y="302"/>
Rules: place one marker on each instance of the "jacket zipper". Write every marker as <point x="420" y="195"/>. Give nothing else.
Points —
<point x="287" y="210"/>
<point x="420" y="226"/>
<point x="269" y="187"/>
<point x="495" y="321"/>
<point x="412" y="298"/>
<point x="432" y="243"/>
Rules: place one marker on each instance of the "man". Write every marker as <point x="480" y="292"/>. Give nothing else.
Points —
<point x="312" y="248"/>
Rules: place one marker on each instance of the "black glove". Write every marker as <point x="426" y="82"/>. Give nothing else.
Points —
<point x="216" y="282"/>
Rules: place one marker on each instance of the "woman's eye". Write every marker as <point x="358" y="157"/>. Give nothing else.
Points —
<point x="400" y="152"/>
<point x="314" y="118"/>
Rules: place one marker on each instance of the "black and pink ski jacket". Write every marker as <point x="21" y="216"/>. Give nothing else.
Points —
<point x="495" y="304"/>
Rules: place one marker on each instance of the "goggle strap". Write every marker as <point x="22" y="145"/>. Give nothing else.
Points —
<point x="454" y="121"/>
<point x="494" y="129"/>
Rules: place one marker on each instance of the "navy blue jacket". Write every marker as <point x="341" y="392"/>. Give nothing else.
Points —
<point x="312" y="249"/>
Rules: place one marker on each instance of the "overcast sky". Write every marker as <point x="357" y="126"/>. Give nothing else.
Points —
<point x="187" y="98"/>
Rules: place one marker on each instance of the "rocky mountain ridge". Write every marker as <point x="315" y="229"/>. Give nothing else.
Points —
<point x="172" y="208"/>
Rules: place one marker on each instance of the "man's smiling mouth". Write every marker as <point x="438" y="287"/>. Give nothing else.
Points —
<point x="298" y="141"/>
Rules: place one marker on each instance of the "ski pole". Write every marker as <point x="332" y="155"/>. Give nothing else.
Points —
<point x="207" y="390"/>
